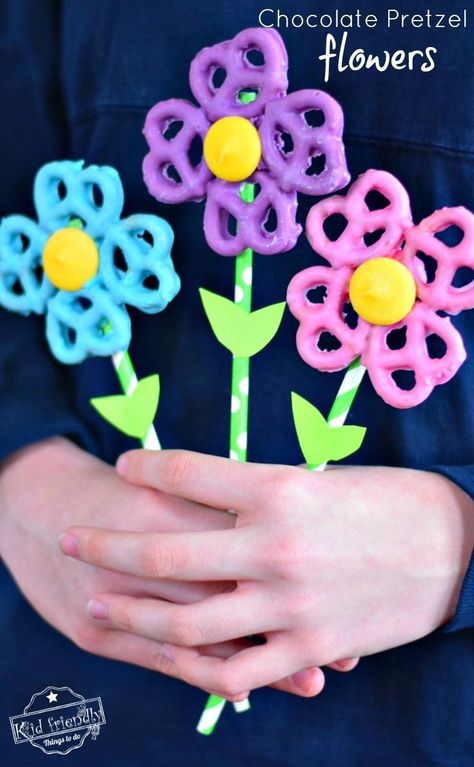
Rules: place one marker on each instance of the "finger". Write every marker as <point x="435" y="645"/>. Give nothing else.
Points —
<point x="305" y="684"/>
<point x="215" y="619"/>
<point x="179" y="515"/>
<point x="206" y="479"/>
<point x="254" y="667"/>
<point x="149" y="654"/>
<point x="179" y="592"/>
<point x="140" y="651"/>
<point x="345" y="665"/>
<point x="129" y="648"/>
<point x="200" y="556"/>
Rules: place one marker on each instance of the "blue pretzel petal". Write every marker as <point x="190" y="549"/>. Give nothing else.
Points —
<point x="136" y="265"/>
<point x="24" y="287"/>
<point x="63" y="190"/>
<point x="86" y="323"/>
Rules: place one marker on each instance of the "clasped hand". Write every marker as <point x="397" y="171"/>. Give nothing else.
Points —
<point x="326" y="566"/>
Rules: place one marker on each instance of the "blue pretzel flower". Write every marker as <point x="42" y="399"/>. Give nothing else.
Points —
<point x="81" y="263"/>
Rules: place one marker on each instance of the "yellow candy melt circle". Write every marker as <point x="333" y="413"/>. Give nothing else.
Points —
<point x="382" y="291"/>
<point x="70" y="259"/>
<point x="232" y="148"/>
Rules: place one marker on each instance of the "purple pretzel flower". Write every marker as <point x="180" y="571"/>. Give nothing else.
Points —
<point x="246" y="130"/>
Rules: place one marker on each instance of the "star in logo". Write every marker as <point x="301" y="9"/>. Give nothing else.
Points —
<point x="52" y="697"/>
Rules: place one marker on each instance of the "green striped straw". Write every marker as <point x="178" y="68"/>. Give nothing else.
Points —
<point x="128" y="381"/>
<point x="337" y="417"/>
<point x="239" y="409"/>
<point x="239" y="416"/>
<point x="123" y="365"/>
<point x="344" y="398"/>
<point x="212" y="711"/>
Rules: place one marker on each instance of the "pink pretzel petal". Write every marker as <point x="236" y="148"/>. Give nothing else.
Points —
<point x="269" y="80"/>
<point x="350" y="249"/>
<point x="317" y="318"/>
<point x="440" y="293"/>
<point x="381" y="361"/>
<point x="168" y="153"/>
<point x="224" y="200"/>
<point x="292" y="167"/>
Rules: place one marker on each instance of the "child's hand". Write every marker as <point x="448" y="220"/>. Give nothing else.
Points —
<point x="332" y="565"/>
<point x="52" y="485"/>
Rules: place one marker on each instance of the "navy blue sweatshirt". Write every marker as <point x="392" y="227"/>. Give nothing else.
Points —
<point x="77" y="79"/>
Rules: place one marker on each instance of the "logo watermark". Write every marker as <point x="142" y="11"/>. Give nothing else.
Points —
<point x="58" y="720"/>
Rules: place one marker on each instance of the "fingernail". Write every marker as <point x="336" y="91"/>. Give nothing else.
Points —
<point x="167" y="652"/>
<point x="69" y="545"/>
<point x="303" y="680"/>
<point x="122" y="465"/>
<point x="97" y="609"/>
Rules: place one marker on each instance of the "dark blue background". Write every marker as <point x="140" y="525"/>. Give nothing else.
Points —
<point x="77" y="79"/>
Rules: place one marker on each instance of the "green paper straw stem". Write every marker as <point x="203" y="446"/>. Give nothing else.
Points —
<point x="337" y="417"/>
<point x="345" y="397"/>
<point x="128" y="381"/>
<point x="239" y="413"/>
<point x="210" y="715"/>
<point x="239" y="409"/>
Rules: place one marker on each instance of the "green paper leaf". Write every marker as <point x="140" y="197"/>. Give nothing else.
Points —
<point x="242" y="333"/>
<point x="133" y="414"/>
<point x="318" y="441"/>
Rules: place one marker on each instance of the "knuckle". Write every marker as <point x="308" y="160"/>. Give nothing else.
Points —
<point x="282" y="489"/>
<point x="123" y="618"/>
<point x="185" y="634"/>
<point x="163" y="665"/>
<point x="137" y="464"/>
<point x="345" y="665"/>
<point x="178" y="469"/>
<point x="94" y="548"/>
<point x="321" y="648"/>
<point x="289" y="556"/>
<point x="300" y="607"/>
<point x="156" y="560"/>
<point x="230" y="685"/>
<point x="86" y="637"/>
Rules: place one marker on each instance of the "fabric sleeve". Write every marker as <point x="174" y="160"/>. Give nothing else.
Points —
<point x="36" y="393"/>
<point x="463" y="476"/>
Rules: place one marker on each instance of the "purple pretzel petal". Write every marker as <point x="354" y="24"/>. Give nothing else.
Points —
<point x="311" y="159"/>
<point x="252" y="220"/>
<point x="231" y="58"/>
<point x="169" y="171"/>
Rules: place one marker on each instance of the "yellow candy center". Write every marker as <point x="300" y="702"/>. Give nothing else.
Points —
<point x="70" y="259"/>
<point x="382" y="291"/>
<point x="232" y="148"/>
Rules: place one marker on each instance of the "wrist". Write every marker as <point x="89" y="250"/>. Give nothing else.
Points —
<point x="458" y="509"/>
<point x="20" y="471"/>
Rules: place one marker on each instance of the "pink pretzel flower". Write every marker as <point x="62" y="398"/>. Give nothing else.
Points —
<point x="381" y="296"/>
